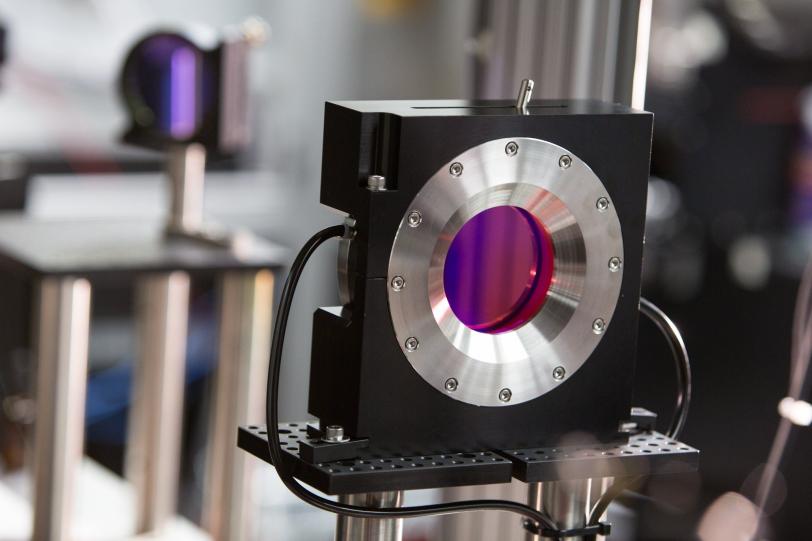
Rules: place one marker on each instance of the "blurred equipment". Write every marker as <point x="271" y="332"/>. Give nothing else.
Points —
<point x="54" y="265"/>
<point x="574" y="48"/>
<point x="187" y="94"/>
<point x="489" y="274"/>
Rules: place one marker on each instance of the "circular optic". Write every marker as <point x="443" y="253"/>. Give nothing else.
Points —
<point x="167" y="86"/>
<point x="498" y="269"/>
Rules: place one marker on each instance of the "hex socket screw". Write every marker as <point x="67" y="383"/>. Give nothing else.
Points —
<point x="505" y="395"/>
<point x="615" y="264"/>
<point x="411" y="343"/>
<point x="398" y="283"/>
<point x="602" y="204"/>
<point x="451" y="384"/>
<point x="598" y="326"/>
<point x="511" y="148"/>
<point x="564" y="161"/>
<point x="455" y="169"/>
<point x="558" y="373"/>
<point x="414" y="218"/>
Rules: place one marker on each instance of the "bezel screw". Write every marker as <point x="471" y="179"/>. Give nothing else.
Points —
<point x="455" y="169"/>
<point x="398" y="283"/>
<point x="598" y="326"/>
<point x="602" y="204"/>
<point x="505" y="395"/>
<point x="414" y="218"/>
<point x="451" y="385"/>
<point x="511" y="148"/>
<point x="564" y="161"/>
<point x="411" y="344"/>
<point x="615" y="264"/>
<point x="558" y="373"/>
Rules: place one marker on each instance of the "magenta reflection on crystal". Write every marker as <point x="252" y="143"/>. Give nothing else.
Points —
<point x="498" y="269"/>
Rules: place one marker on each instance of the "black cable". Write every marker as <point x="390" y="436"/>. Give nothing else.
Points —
<point x="272" y="421"/>
<point x="683" y="400"/>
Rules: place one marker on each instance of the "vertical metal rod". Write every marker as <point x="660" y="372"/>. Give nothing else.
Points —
<point x="566" y="502"/>
<point x="366" y="529"/>
<point x="186" y="169"/>
<point x="156" y="417"/>
<point x="61" y="331"/>
<point x="245" y="323"/>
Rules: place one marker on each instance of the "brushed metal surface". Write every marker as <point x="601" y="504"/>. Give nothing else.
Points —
<point x="583" y="289"/>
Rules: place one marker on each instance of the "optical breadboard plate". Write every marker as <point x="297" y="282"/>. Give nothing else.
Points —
<point x="646" y="453"/>
<point x="373" y="473"/>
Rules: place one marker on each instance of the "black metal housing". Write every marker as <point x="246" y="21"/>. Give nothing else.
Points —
<point x="360" y="378"/>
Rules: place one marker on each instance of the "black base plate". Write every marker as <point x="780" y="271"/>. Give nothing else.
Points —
<point x="647" y="453"/>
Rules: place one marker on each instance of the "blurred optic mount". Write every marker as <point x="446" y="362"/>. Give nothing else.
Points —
<point x="187" y="94"/>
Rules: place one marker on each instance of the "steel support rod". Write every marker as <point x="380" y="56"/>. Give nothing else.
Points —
<point x="365" y="529"/>
<point x="566" y="502"/>
<point x="186" y="169"/>
<point x="245" y="322"/>
<point x="156" y="417"/>
<point x="61" y="331"/>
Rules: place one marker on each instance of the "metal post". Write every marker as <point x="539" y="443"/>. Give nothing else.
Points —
<point x="568" y="503"/>
<point x="186" y="168"/>
<point x="245" y="323"/>
<point x="366" y="529"/>
<point x="62" y="328"/>
<point x="156" y="416"/>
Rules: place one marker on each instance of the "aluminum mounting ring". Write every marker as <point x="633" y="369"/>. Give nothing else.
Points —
<point x="585" y="236"/>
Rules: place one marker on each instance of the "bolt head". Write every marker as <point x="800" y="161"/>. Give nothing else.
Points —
<point x="615" y="264"/>
<point x="511" y="148"/>
<point x="376" y="183"/>
<point x="414" y="218"/>
<point x="598" y="326"/>
<point x="602" y="204"/>
<point x="455" y="169"/>
<point x="505" y="395"/>
<point x="558" y="373"/>
<point x="451" y="384"/>
<point x="334" y="434"/>
<point x="411" y="343"/>
<point x="398" y="283"/>
<point x="564" y="161"/>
